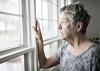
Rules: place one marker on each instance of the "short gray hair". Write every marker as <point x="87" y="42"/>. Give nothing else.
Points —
<point x="78" y="13"/>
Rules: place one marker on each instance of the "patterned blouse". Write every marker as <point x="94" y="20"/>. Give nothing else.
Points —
<point x="87" y="61"/>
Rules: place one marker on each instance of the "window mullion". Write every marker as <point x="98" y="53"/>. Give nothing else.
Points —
<point x="32" y="16"/>
<point x="28" y="11"/>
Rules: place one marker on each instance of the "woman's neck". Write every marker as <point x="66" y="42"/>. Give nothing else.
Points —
<point x="77" y="41"/>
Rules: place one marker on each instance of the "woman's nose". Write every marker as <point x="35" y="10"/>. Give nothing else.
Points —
<point x="59" y="27"/>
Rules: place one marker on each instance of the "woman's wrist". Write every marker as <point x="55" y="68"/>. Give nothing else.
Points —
<point x="40" y="42"/>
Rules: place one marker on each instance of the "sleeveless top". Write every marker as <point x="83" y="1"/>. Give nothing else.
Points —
<point x="87" y="61"/>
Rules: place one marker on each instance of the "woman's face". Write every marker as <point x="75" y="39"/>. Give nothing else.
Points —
<point x="65" y="28"/>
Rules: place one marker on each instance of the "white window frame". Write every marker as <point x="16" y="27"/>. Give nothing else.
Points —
<point x="28" y="49"/>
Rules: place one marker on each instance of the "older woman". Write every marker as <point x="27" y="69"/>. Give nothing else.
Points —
<point x="77" y="53"/>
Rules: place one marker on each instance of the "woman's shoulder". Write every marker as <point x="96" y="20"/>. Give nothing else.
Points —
<point x="96" y="49"/>
<point x="64" y="46"/>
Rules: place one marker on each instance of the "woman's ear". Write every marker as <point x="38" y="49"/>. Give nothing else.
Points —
<point x="79" y="26"/>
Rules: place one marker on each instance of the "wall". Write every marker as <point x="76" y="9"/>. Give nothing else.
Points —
<point x="92" y="6"/>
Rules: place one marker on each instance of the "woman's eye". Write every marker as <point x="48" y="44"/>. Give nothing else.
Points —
<point x="63" y="22"/>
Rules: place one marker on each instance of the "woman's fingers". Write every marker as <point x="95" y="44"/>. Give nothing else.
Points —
<point x="38" y="26"/>
<point x="34" y="30"/>
<point x="37" y="31"/>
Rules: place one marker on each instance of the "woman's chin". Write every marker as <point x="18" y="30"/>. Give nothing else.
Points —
<point x="63" y="38"/>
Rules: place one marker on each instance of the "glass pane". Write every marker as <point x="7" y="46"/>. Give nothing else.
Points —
<point x="49" y="11"/>
<point x="46" y="13"/>
<point x="11" y="6"/>
<point x="53" y="2"/>
<point x="38" y="9"/>
<point x="52" y="12"/>
<point x="10" y="31"/>
<point x="16" y="64"/>
<point x="48" y="28"/>
<point x="46" y="10"/>
<point x="50" y="49"/>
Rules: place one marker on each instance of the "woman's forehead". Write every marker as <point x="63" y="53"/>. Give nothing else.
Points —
<point x="65" y="17"/>
<point x="62" y="16"/>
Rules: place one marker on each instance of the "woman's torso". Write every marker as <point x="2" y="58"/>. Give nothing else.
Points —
<point x="82" y="62"/>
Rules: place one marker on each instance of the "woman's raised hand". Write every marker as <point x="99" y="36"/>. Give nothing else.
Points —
<point x="37" y="32"/>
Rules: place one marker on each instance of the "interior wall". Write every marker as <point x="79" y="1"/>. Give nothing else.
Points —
<point x="92" y="6"/>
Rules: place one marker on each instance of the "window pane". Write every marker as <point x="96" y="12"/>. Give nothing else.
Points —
<point x="46" y="12"/>
<point x="49" y="10"/>
<point x="11" y="6"/>
<point x="52" y="12"/>
<point x="46" y="9"/>
<point x="10" y="24"/>
<point x="53" y="2"/>
<point x="48" y="28"/>
<point x="10" y="31"/>
<point x="16" y="64"/>
<point x="38" y="9"/>
<point x="50" y="49"/>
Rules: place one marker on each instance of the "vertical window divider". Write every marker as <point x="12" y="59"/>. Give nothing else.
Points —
<point x="28" y="58"/>
<point x="32" y="16"/>
<point x="29" y="19"/>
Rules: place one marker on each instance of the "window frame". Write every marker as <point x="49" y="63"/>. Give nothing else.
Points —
<point x="27" y="49"/>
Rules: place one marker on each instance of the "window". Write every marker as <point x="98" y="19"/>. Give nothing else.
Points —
<point x="46" y="13"/>
<point x="16" y="20"/>
<point x="10" y="24"/>
<point x="15" y="31"/>
<point x="16" y="64"/>
<point x="50" y="48"/>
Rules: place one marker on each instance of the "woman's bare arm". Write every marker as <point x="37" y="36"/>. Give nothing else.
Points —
<point x="44" y="62"/>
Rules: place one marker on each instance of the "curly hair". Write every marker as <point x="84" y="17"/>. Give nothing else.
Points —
<point x="78" y="13"/>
